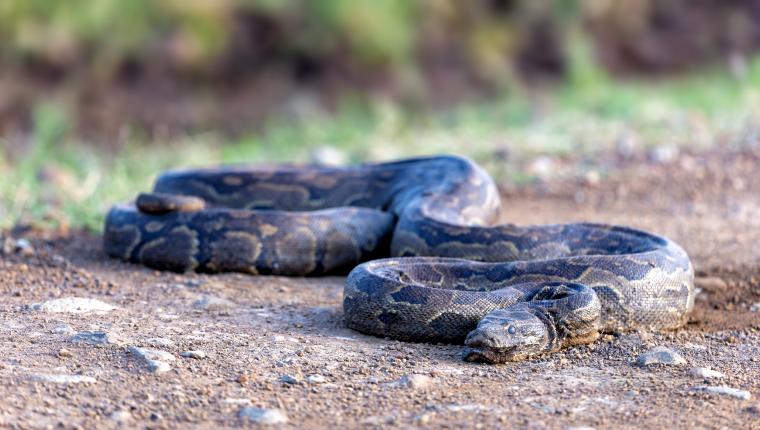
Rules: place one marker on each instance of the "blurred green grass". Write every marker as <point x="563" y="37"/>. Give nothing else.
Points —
<point x="61" y="182"/>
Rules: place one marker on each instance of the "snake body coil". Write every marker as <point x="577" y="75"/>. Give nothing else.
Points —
<point x="508" y="291"/>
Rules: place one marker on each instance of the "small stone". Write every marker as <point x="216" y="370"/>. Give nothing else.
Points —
<point x="121" y="416"/>
<point x="705" y="373"/>
<point x="263" y="416"/>
<point x="710" y="283"/>
<point x="72" y="305"/>
<point x="64" y="353"/>
<point x="316" y="379"/>
<point x="660" y="355"/>
<point x="287" y="379"/>
<point x="95" y="338"/>
<point x="753" y="409"/>
<point x="155" y="359"/>
<point x="197" y="354"/>
<point x="63" y="379"/>
<point x="159" y="342"/>
<point x="158" y="366"/>
<point x="63" y="329"/>
<point x="8" y="245"/>
<point x="725" y="391"/>
<point x="211" y="303"/>
<point x="755" y="307"/>
<point x="23" y="247"/>
<point x="414" y="381"/>
<point x="151" y="354"/>
<point x="423" y="419"/>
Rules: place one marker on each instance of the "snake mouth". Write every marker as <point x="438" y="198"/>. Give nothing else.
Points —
<point x="491" y="356"/>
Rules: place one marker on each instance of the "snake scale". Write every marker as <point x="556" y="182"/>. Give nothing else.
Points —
<point x="426" y="261"/>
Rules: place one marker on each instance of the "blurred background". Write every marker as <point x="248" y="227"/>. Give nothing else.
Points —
<point x="97" y="96"/>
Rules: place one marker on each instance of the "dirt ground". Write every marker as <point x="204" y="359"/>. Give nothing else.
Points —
<point x="279" y="343"/>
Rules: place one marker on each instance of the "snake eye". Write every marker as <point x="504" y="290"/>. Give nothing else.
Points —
<point x="511" y="329"/>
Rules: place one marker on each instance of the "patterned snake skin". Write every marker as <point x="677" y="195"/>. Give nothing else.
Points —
<point x="509" y="292"/>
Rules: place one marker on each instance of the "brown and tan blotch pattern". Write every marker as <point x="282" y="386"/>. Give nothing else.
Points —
<point x="508" y="291"/>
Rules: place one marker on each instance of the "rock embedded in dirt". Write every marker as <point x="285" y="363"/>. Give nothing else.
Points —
<point x="710" y="283"/>
<point x="63" y="379"/>
<point x="96" y="338"/>
<point x="316" y="379"/>
<point x="263" y="416"/>
<point x="725" y="391"/>
<point x="155" y="359"/>
<point x="23" y="247"/>
<point x="72" y="305"/>
<point x="212" y="303"/>
<point x="288" y="379"/>
<point x="159" y="342"/>
<point x="63" y="329"/>
<point x="705" y="373"/>
<point x="158" y="366"/>
<point x="197" y="354"/>
<point x="660" y="355"/>
<point x="121" y="417"/>
<point x="414" y="381"/>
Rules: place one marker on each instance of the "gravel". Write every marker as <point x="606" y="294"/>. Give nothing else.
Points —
<point x="73" y="305"/>
<point x="660" y="355"/>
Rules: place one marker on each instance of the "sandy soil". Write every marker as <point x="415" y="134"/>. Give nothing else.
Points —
<point x="279" y="344"/>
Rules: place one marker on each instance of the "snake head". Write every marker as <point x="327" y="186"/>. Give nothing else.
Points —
<point x="507" y="335"/>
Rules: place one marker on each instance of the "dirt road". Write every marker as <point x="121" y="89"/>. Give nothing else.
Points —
<point x="203" y="351"/>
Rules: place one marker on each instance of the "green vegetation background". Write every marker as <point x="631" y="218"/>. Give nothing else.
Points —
<point x="56" y="180"/>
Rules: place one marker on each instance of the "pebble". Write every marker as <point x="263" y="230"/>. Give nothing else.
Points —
<point x="63" y="379"/>
<point x="121" y="416"/>
<point x="755" y="307"/>
<point x="64" y="353"/>
<point x="152" y="354"/>
<point x="710" y="283"/>
<point x="63" y="329"/>
<point x="155" y="359"/>
<point x="660" y="355"/>
<point x="414" y="381"/>
<point x="8" y="245"/>
<point x="316" y="379"/>
<point x="72" y="305"/>
<point x="212" y="303"/>
<point x="23" y="247"/>
<point x="158" y="366"/>
<point x="705" y="373"/>
<point x="263" y="416"/>
<point x="288" y="379"/>
<point x="197" y="354"/>
<point x="754" y="409"/>
<point x="95" y="338"/>
<point x="725" y="391"/>
<point x="159" y="342"/>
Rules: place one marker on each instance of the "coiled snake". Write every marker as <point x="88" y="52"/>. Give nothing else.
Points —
<point x="508" y="291"/>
